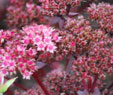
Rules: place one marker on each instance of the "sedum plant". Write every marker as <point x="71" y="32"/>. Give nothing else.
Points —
<point x="58" y="35"/>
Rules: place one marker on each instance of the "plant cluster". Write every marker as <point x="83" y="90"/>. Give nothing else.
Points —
<point x="42" y="33"/>
<point x="103" y="14"/>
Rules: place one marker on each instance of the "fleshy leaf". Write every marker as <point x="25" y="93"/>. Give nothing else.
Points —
<point x="73" y="14"/>
<point x="40" y="64"/>
<point x="1" y="88"/>
<point x="96" y="91"/>
<point x="4" y="87"/>
<point x="1" y="93"/>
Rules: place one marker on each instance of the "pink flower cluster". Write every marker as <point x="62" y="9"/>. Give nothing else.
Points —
<point x="44" y="37"/>
<point x="96" y="65"/>
<point x="16" y="57"/>
<point x="103" y="13"/>
<point x="57" y="7"/>
<point x="57" y="82"/>
<point x="60" y="83"/>
<point x="36" y="90"/>
<point x="20" y="52"/>
<point x="21" y="13"/>
<point x="81" y="34"/>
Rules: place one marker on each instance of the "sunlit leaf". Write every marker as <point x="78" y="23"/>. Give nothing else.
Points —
<point x="4" y="87"/>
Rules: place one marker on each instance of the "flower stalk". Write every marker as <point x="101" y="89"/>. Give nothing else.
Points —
<point x="36" y="77"/>
<point x="94" y="83"/>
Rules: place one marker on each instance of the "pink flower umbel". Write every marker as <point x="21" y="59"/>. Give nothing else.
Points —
<point x="103" y="15"/>
<point x="54" y="7"/>
<point x="42" y="37"/>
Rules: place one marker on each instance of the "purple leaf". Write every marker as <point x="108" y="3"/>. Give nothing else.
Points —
<point x="96" y="91"/>
<point x="73" y="14"/>
<point x="55" y="21"/>
<point x="40" y="64"/>
<point x="61" y="24"/>
<point x="85" y="92"/>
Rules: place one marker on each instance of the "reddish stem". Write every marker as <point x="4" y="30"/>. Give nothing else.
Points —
<point x="68" y="65"/>
<point x="94" y="83"/>
<point x="85" y="6"/>
<point x="84" y="84"/>
<point x="89" y="84"/>
<point x="110" y="85"/>
<point x="20" y="86"/>
<point x="9" y="92"/>
<point x="41" y="73"/>
<point x="36" y="77"/>
<point x="67" y="62"/>
<point x="68" y="9"/>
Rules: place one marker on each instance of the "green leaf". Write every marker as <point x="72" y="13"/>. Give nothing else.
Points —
<point x="1" y="88"/>
<point x="1" y="93"/>
<point x="4" y="87"/>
